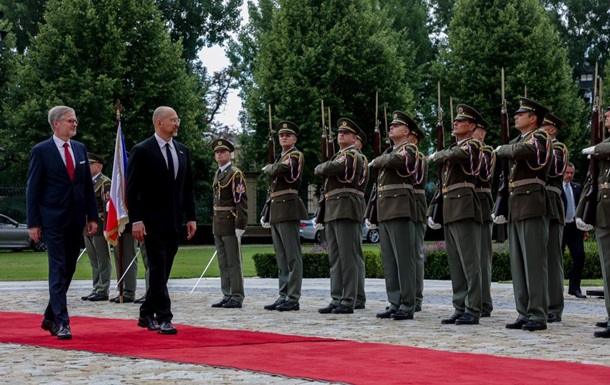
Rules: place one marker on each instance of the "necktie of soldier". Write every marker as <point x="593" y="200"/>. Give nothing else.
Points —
<point x="69" y="161"/>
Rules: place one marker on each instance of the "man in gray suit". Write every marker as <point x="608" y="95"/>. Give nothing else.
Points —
<point x="286" y="211"/>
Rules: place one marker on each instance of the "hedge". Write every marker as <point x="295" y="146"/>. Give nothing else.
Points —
<point x="315" y="263"/>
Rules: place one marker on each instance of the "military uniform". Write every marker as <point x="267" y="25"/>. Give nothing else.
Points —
<point x="396" y="213"/>
<point x="343" y="222"/>
<point x="230" y="213"/>
<point x="528" y="224"/>
<point x="362" y="182"/>
<point x="462" y="218"/>
<point x="286" y="210"/>
<point x="96" y="245"/>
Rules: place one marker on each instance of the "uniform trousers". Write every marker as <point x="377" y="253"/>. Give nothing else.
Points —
<point x="101" y="263"/>
<point x="555" y="268"/>
<point x="603" y="244"/>
<point x="287" y="246"/>
<point x="343" y="241"/>
<point x="230" y="264"/>
<point x="128" y="255"/>
<point x="486" y="265"/>
<point x="420" y="233"/>
<point x="361" y="265"/>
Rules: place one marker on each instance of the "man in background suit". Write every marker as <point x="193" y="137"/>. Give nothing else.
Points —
<point x="572" y="237"/>
<point x="159" y="193"/>
<point x="60" y="203"/>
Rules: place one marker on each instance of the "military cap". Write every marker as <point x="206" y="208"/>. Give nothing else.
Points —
<point x="399" y="117"/>
<point x="286" y="127"/>
<point x="483" y="124"/>
<point x="95" y="158"/>
<point x="362" y="137"/>
<point x="419" y="134"/>
<point x="528" y="105"/>
<point x="550" y="119"/>
<point x="345" y="124"/>
<point x="465" y="112"/>
<point x="222" y="144"/>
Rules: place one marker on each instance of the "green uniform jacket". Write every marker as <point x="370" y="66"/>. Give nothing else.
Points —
<point x="554" y="185"/>
<point x="364" y="180"/>
<point x="421" y="203"/>
<point x="101" y="188"/>
<point x="230" y="201"/>
<point x="602" y="216"/>
<point x="285" y="202"/>
<point x="342" y="174"/>
<point x="483" y="185"/>
<point x="528" y="200"/>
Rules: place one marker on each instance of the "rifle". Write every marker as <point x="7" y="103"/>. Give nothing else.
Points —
<point x="501" y="204"/>
<point x="371" y="208"/>
<point x="437" y="200"/>
<point x="326" y="155"/>
<point x="387" y="136"/>
<point x="270" y="160"/>
<point x="331" y="138"/>
<point x="590" y="208"/>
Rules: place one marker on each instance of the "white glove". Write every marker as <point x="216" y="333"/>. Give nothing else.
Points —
<point x="582" y="226"/>
<point x="497" y="148"/>
<point x="369" y="224"/>
<point x="431" y="156"/>
<point x="588" y="151"/>
<point x="498" y="220"/>
<point x="264" y="169"/>
<point x="371" y="163"/>
<point x="316" y="225"/>
<point x="239" y="232"/>
<point x="432" y="225"/>
<point x="265" y="225"/>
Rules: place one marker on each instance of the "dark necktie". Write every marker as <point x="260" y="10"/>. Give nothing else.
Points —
<point x="69" y="161"/>
<point x="170" y="160"/>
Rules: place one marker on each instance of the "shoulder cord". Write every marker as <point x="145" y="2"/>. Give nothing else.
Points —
<point x="421" y="170"/>
<point x="293" y="178"/>
<point x="365" y="169"/>
<point x="487" y="164"/>
<point x="547" y="148"/>
<point x="474" y="170"/>
<point x="403" y="151"/>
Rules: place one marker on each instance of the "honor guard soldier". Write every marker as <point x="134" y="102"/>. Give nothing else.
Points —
<point x="554" y="185"/>
<point x="483" y="189"/>
<point x="343" y="218"/>
<point x="286" y="210"/>
<point x="462" y="217"/>
<point x="229" y="224"/>
<point x="396" y="214"/>
<point x="528" y="211"/>
<point x="419" y="189"/>
<point x="362" y="182"/>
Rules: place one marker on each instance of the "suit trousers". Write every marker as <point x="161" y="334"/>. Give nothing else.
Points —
<point x="101" y="263"/>
<point x="420" y="233"/>
<point x="287" y="246"/>
<point x="399" y="255"/>
<point x="573" y="239"/>
<point x="603" y="244"/>
<point x="528" y="239"/>
<point x="555" y="266"/>
<point x="463" y="239"/>
<point x="63" y="247"/>
<point x="486" y="264"/>
<point x="230" y="264"/>
<point x="343" y="240"/>
<point x="130" y="277"/>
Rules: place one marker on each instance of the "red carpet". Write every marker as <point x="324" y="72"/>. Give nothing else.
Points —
<point x="299" y="357"/>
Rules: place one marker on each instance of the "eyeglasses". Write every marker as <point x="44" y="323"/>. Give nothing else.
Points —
<point x="175" y="120"/>
<point x="71" y="121"/>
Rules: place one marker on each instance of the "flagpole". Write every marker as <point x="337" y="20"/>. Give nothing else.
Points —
<point x="204" y="270"/>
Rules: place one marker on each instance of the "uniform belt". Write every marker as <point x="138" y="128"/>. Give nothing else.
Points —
<point x="224" y="208"/>
<point x="554" y="189"/>
<point x="341" y="190"/>
<point x="283" y="192"/>
<point x="524" y="182"/>
<point x="395" y="187"/>
<point x="419" y="191"/>
<point x="483" y="190"/>
<point x="361" y="193"/>
<point x="605" y="186"/>
<point x="457" y="186"/>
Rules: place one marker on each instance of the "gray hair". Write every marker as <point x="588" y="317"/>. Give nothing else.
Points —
<point x="58" y="112"/>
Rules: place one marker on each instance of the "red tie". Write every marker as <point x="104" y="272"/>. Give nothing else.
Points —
<point x="69" y="161"/>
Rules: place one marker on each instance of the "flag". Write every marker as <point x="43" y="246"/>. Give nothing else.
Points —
<point x="118" y="215"/>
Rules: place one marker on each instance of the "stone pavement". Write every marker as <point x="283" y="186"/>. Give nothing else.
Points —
<point x="570" y="340"/>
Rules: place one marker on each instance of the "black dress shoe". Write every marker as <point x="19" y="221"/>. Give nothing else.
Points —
<point x="401" y="315"/>
<point x="602" y="333"/>
<point x="274" y="305"/>
<point x="577" y="294"/>
<point x="148" y="322"/>
<point x="63" y="332"/>
<point x="97" y="297"/>
<point x="599" y="324"/>
<point x="342" y="309"/>
<point x="553" y="318"/>
<point x="231" y="304"/>
<point x="287" y="306"/>
<point x="328" y="309"/>
<point x="387" y="313"/>
<point x="86" y="297"/>
<point x="220" y="303"/>
<point x="49" y="326"/>
<point x="485" y="313"/>
<point x="417" y="308"/>
<point x="140" y="300"/>
<point x="467" y="319"/>
<point x="166" y="327"/>
<point x="117" y="299"/>
<point x="518" y="324"/>
<point x="359" y="305"/>
<point x="451" y="320"/>
<point x="532" y="325"/>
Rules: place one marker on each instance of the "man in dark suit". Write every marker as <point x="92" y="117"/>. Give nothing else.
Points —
<point x="60" y="202"/>
<point x="572" y="237"/>
<point x="159" y="194"/>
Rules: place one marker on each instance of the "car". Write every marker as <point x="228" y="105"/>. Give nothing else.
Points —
<point x="309" y="233"/>
<point x="15" y="236"/>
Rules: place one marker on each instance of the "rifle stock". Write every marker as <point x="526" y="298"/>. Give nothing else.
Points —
<point x="326" y="155"/>
<point x="590" y="207"/>
<point x="371" y="208"/>
<point x="501" y="204"/>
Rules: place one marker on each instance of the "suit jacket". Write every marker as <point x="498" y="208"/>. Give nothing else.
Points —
<point x="52" y="199"/>
<point x="230" y="201"/>
<point x="287" y="175"/>
<point x="576" y="191"/>
<point x="153" y="195"/>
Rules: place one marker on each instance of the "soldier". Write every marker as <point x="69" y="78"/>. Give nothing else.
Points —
<point x="96" y="245"/>
<point x="229" y="224"/>
<point x="528" y="223"/>
<point x="415" y="136"/>
<point x="483" y="190"/>
<point x="462" y="217"/>
<point x="286" y="211"/>
<point x="396" y="214"/>
<point x="362" y="182"/>
<point x="554" y="185"/>
<point x="343" y="218"/>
